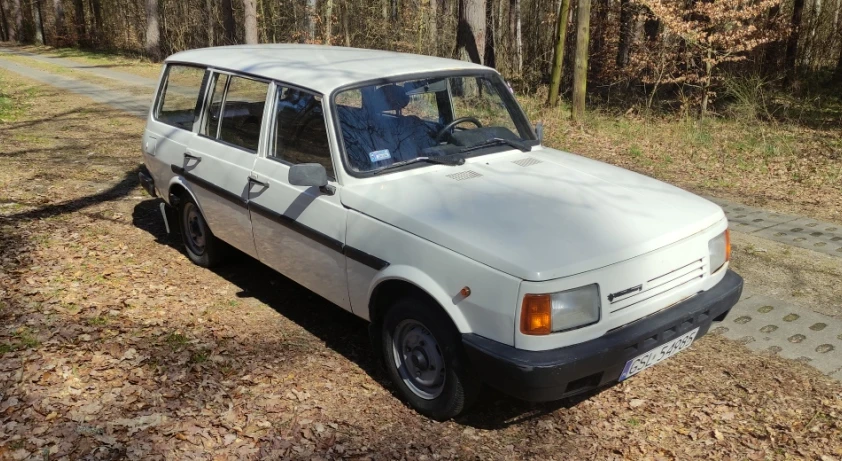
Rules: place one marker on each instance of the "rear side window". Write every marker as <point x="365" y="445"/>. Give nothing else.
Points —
<point x="235" y="112"/>
<point x="180" y="95"/>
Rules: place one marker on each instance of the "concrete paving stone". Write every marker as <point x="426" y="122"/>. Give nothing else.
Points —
<point x="792" y="230"/>
<point x="767" y="325"/>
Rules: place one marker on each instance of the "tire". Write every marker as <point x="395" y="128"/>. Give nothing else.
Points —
<point x="443" y="385"/>
<point x="202" y="247"/>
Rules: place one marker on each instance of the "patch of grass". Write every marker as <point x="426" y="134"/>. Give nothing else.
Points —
<point x="97" y="321"/>
<point x="635" y="151"/>
<point x="200" y="357"/>
<point x="4" y="348"/>
<point x="633" y="422"/>
<point x="176" y="340"/>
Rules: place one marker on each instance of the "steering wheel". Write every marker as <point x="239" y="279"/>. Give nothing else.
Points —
<point x="450" y="126"/>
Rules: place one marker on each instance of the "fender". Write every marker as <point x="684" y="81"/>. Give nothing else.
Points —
<point x="178" y="179"/>
<point x="425" y="283"/>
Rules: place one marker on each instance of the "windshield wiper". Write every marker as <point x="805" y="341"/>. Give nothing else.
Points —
<point x="452" y="160"/>
<point x="496" y="142"/>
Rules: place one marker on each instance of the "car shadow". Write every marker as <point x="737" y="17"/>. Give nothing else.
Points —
<point x="340" y="330"/>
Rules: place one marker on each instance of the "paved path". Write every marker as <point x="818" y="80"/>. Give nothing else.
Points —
<point x="792" y="230"/>
<point x="759" y="322"/>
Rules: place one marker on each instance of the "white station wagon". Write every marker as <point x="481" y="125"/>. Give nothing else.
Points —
<point x="414" y="192"/>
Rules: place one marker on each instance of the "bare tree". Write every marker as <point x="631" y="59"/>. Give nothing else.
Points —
<point x="794" y="36"/>
<point x="432" y="25"/>
<point x="79" y="19"/>
<point x="17" y="17"/>
<point x="580" y="70"/>
<point x="38" y="24"/>
<point x="838" y="73"/>
<point x="59" y="29"/>
<point x="558" y="56"/>
<point x="328" y="23"/>
<point x="310" y="18"/>
<point x="229" y="27"/>
<point x="152" y="44"/>
<point x="628" y="19"/>
<point x="470" y="32"/>
<point x="515" y="35"/>
<point x="4" y="23"/>
<point x="250" y="21"/>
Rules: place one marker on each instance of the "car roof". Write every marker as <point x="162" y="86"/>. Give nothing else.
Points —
<point x="318" y="67"/>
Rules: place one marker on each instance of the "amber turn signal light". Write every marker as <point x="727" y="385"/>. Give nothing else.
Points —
<point x="536" y="315"/>
<point x="727" y="245"/>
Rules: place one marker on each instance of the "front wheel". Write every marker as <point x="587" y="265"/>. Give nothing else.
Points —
<point x="202" y="247"/>
<point x="424" y="358"/>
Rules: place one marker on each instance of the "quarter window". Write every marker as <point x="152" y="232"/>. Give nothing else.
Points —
<point x="178" y="100"/>
<point x="299" y="134"/>
<point x="235" y="112"/>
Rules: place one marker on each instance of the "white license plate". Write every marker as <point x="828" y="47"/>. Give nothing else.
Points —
<point x="658" y="354"/>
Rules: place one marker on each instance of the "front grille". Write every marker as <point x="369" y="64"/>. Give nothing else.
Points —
<point x="671" y="281"/>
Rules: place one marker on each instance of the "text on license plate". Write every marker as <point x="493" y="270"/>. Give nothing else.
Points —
<point x="658" y="354"/>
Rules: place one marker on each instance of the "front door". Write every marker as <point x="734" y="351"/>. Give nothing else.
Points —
<point x="220" y="158"/>
<point x="299" y="231"/>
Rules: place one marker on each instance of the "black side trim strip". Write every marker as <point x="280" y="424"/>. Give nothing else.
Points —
<point x="364" y="258"/>
<point x="211" y="187"/>
<point x="286" y="221"/>
<point x="357" y="255"/>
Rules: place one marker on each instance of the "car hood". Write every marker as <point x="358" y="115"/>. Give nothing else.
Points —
<point x="537" y="215"/>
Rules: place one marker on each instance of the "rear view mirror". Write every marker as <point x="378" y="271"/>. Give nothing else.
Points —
<point x="309" y="175"/>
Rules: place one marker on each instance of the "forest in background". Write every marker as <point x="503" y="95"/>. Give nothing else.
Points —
<point x="693" y="56"/>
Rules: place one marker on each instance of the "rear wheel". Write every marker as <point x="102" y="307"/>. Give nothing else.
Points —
<point x="202" y="247"/>
<point x="424" y="358"/>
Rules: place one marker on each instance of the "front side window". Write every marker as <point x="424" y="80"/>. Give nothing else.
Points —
<point x="411" y="120"/>
<point x="299" y="134"/>
<point x="235" y="111"/>
<point x="179" y="96"/>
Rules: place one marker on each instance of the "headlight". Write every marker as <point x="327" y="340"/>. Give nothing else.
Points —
<point x="720" y="250"/>
<point x="552" y="312"/>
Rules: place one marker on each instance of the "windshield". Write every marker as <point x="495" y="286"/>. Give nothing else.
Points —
<point x="396" y="123"/>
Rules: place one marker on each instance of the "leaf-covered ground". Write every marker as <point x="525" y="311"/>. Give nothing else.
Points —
<point x="113" y="346"/>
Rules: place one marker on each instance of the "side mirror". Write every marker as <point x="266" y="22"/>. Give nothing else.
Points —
<point x="310" y="175"/>
<point x="539" y="130"/>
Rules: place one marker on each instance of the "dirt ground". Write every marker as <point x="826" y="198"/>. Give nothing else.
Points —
<point x="113" y="346"/>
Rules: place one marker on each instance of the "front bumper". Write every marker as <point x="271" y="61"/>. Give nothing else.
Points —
<point x="539" y="376"/>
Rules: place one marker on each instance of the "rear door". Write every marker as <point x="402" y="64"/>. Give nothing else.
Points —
<point x="220" y="158"/>
<point x="299" y="231"/>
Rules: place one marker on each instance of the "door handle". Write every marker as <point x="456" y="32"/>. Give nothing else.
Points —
<point x="258" y="182"/>
<point x="189" y="155"/>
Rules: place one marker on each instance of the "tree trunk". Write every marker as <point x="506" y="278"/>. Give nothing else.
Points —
<point x="488" y="55"/>
<point x="470" y="33"/>
<point x="310" y="16"/>
<point x="229" y="27"/>
<point x="838" y="73"/>
<point x="79" y="19"/>
<point x="515" y="36"/>
<point x="345" y="29"/>
<point x="580" y="70"/>
<point x="4" y="23"/>
<point x="628" y="16"/>
<point x="794" y="35"/>
<point x="250" y="21"/>
<point x="96" y="7"/>
<point x="37" y="24"/>
<point x="558" y="57"/>
<point x="17" y="17"/>
<point x="328" y="21"/>
<point x="211" y="21"/>
<point x="432" y="26"/>
<point x="384" y="4"/>
<point x="60" y="31"/>
<point x="152" y="46"/>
